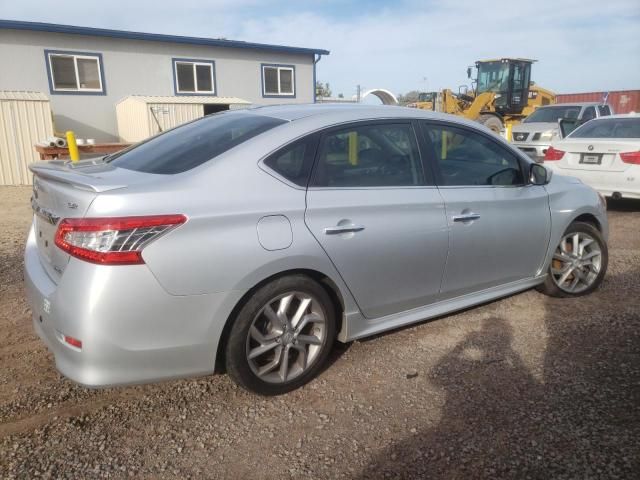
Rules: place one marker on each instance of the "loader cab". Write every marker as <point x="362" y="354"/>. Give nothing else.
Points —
<point x="509" y="79"/>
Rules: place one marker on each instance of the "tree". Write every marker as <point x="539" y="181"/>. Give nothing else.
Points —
<point x="409" y="97"/>
<point x="323" y="89"/>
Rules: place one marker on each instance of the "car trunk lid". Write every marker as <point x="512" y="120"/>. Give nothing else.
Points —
<point x="65" y="190"/>
<point x="597" y="154"/>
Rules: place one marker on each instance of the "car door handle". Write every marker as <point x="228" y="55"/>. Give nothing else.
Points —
<point x="466" y="217"/>
<point x="343" y="229"/>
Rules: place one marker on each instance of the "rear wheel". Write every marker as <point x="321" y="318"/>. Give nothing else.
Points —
<point x="492" y="122"/>
<point x="281" y="336"/>
<point x="579" y="262"/>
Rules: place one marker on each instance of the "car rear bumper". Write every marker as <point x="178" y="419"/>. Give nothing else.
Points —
<point x="621" y="184"/>
<point x="132" y="330"/>
<point x="535" y="150"/>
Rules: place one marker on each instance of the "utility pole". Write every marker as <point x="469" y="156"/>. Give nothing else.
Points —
<point x="358" y="94"/>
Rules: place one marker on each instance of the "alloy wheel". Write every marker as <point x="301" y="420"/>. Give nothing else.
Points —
<point x="285" y="337"/>
<point x="576" y="262"/>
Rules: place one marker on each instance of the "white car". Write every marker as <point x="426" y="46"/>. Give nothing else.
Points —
<point x="604" y="153"/>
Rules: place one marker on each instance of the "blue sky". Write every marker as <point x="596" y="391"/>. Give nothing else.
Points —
<point x="580" y="45"/>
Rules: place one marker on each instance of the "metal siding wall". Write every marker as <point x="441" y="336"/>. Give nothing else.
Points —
<point x="133" y="124"/>
<point x="176" y="114"/>
<point x="23" y="123"/>
<point x="623" y="101"/>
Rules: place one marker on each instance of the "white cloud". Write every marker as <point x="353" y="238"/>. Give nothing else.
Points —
<point x="580" y="47"/>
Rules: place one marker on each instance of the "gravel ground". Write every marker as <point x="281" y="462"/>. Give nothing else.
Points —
<point x="525" y="387"/>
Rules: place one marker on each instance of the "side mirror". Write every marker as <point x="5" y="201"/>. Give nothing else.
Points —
<point x="539" y="175"/>
<point x="468" y="72"/>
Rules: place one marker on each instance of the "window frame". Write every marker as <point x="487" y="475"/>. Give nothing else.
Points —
<point x="434" y="164"/>
<point x="313" y="140"/>
<point x="194" y="62"/>
<point x="278" y="67"/>
<point x="428" y="180"/>
<point x="48" y="54"/>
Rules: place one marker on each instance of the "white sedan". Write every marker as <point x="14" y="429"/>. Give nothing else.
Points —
<point x="604" y="153"/>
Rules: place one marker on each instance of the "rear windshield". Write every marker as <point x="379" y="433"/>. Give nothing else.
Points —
<point x="553" y="114"/>
<point x="192" y="144"/>
<point x="609" y="128"/>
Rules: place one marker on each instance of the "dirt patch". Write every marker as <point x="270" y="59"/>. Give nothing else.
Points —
<point x="526" y="387"/>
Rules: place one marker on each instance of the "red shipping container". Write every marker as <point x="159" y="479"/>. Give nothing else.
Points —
<point x="622" y="101"/>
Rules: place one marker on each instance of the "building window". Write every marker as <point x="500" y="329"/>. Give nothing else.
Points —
<point x="73" y="72"/>
<point x="194" y="77"/>
<point x="278" y="81"/>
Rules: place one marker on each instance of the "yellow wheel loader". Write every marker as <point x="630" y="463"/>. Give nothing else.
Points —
<point x="503" y="94"/>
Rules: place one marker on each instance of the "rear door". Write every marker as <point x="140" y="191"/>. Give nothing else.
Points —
<point x="379" y="217"/>
<point x="499" y="224"/>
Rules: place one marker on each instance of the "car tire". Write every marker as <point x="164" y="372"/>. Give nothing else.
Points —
<point x="551" y="285"/>
<point x="492" y="122"/>
<point x="259" y="326"/>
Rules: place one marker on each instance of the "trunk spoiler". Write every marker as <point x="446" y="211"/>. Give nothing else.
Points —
<point x="66" y="172"/>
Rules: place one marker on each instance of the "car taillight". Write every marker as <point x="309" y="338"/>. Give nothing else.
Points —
<point x="113" y="240"/>
<point x="631" y="157"/>
<point x="553" y="154"/>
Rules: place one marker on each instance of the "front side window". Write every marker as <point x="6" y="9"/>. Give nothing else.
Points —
<point x="75" y="72"/>
<point x="466" y="158"/>
<point x="192" y="144"/>
<point x="376" y="155"/>
<point x="194" y="77"/>
<point x="278" y="80"/>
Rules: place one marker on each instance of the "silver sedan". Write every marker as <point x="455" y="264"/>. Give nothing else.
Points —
<point x="252" y="240"/>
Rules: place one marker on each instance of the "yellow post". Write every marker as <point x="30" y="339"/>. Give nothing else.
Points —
<point x="508" y="127"/>
<point x="353" y="148"/>
<point x="74" y="154"/>
<point x="443" y="153"/>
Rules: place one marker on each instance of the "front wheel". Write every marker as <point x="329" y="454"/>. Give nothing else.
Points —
<point x="281" y="336"/>
<point x="492" y="122"/>
<point x="579" y="262"/>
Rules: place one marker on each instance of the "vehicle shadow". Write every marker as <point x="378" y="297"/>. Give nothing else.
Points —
<point x="579" y="419"/>
<point x="623" y="205"/>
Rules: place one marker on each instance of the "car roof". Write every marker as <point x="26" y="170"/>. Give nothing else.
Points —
<point x="575" y="104"/>
<point x="618" y="115"/>
<point x="340" y="111"/>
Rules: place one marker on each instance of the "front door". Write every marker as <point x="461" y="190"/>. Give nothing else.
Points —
<point x="499" y="224"/>
<point x="378" y="216"/>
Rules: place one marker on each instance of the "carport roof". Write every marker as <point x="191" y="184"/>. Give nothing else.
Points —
<point x="154" y="37"/>
<point x="197" y="99"/>
<point x="23" y="95"/>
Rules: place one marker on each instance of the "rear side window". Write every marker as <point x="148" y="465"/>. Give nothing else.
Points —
<point x="294" y="161"/>
<point x="465" y="158"/>
<point x="374" y="155"/>
<point x="609" y="128"/>
<point x="192" y="144"/>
